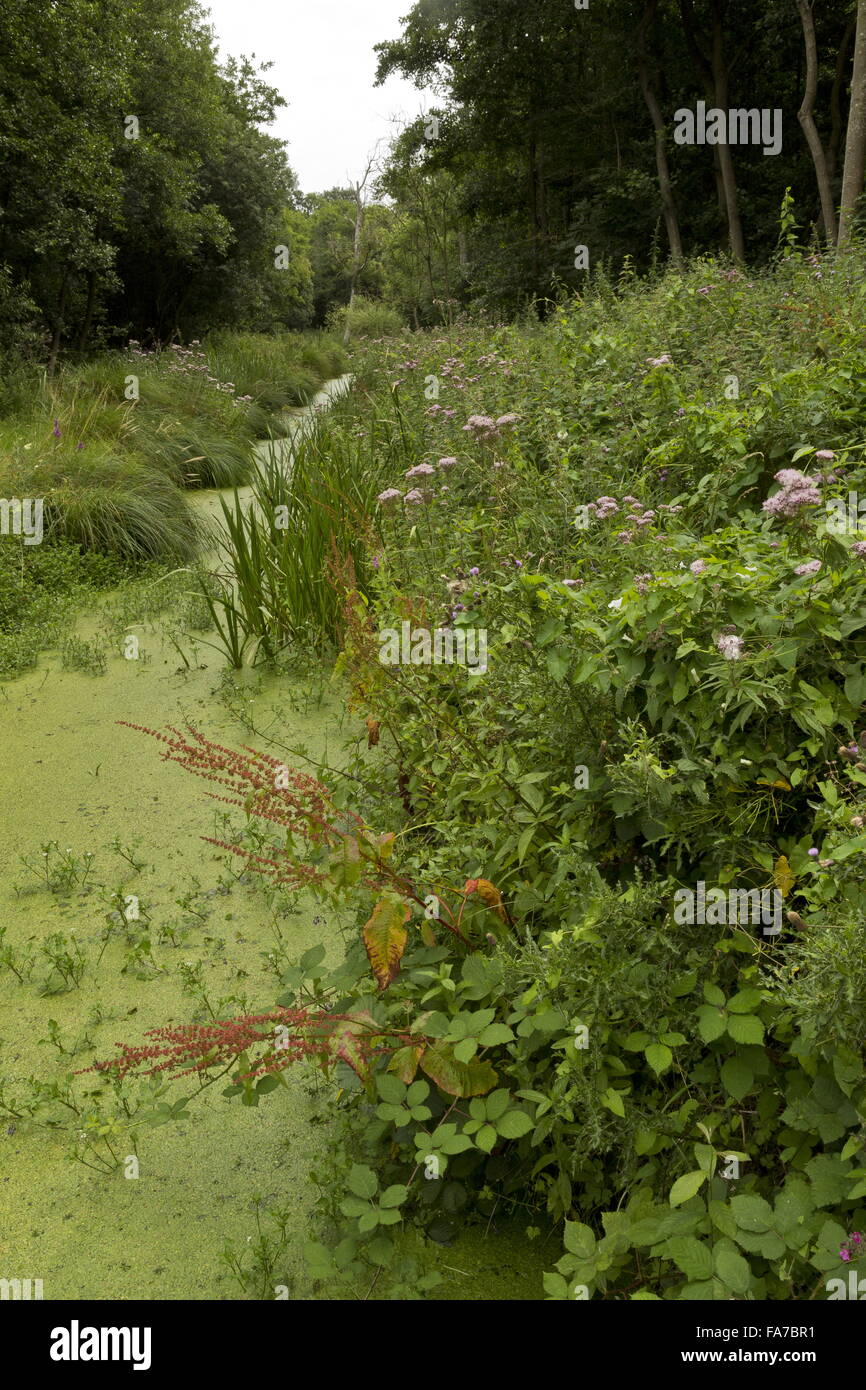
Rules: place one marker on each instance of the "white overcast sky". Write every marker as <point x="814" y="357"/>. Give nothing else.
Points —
<point x="324" y="66"/>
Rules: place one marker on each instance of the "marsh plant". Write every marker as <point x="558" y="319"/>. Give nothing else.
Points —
<point x="61" y="871"/>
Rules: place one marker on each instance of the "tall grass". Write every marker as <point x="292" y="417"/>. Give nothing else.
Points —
<point x="277" y="372"/>
<point x="309" y="503"/>
<point x="111" y="444"/>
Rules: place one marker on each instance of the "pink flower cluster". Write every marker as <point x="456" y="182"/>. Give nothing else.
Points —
<point x="853" y="1249"/>
<point x="796" y="491"/>
<point x="420" y="470"/>
<point x="485" y="427"/>
<point x="637" y="515"/>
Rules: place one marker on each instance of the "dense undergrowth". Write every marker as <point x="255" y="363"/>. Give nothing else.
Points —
<point x="634" y="503"/>
<point x="109" y="448"/>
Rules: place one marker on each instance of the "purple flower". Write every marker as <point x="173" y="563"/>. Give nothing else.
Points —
<point x="812" y="567"/>
<point x="414" y="497"/>
<point x="660" y="361"/>
<point x="814" y="852"/>
<point x="419" y="470"/>
<point x="56" y="430"/>
<point x="825" y="454"/>
<point x="474" y="570"/>
<point x="446" y="463"/>
<point x="698" y="566"/>
<point x="859" y="549"/>
<point x="845" y="1255"/>
<point x="389" y="495"/>
<point x="508" y="419"/>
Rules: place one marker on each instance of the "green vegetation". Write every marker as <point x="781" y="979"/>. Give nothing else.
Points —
<point x="674" y="690"/>
<point x="582" y="554"/>
<point x="110" y="447"/>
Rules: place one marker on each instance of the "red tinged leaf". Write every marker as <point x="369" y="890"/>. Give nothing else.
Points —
<point x="404" y="1063"/>
<point x="385" y="937"/>
<point x="488" y="893"/>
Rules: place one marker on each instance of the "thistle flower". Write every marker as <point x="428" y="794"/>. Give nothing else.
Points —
<point x="730" y="646"/>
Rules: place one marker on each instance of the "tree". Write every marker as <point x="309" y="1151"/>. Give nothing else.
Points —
<point x="359" y="254"/>
<point x="855" y="145"/>
<point x="648" y="87"/>
<point x="806" y="118"/>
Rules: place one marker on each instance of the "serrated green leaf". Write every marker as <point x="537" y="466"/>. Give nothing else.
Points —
<point x="691" y="1256"/>
<point x="362" y="1181"/>
<point x="514" y="1124"/>
<point x="659" y="1057"/>
<point x="746" y="1029"/>
<point x="738" y="1078"/>
<point x="732" y="1268"/>
<point x="686" y="1187"/>
<point x="751" y="1212"/>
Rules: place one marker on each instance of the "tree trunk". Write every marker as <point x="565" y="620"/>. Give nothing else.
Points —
<point x="58" y="324"/>
<point x="87" y="321"/>
<point x="726" y="161"/>
<point x="535" y="210"/>
<point x="855" y="144"/>
<point x="714" y="74"/>
<point x="806" y="117"/>
<point x="356" y="257"/>
<point x="836" y="98"/>
<point x="669" y="207"/>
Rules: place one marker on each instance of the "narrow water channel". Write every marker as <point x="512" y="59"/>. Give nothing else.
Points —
<point x="92" y="788"/>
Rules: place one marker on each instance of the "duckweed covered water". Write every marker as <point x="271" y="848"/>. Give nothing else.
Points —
<point x="71" y="775"/>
